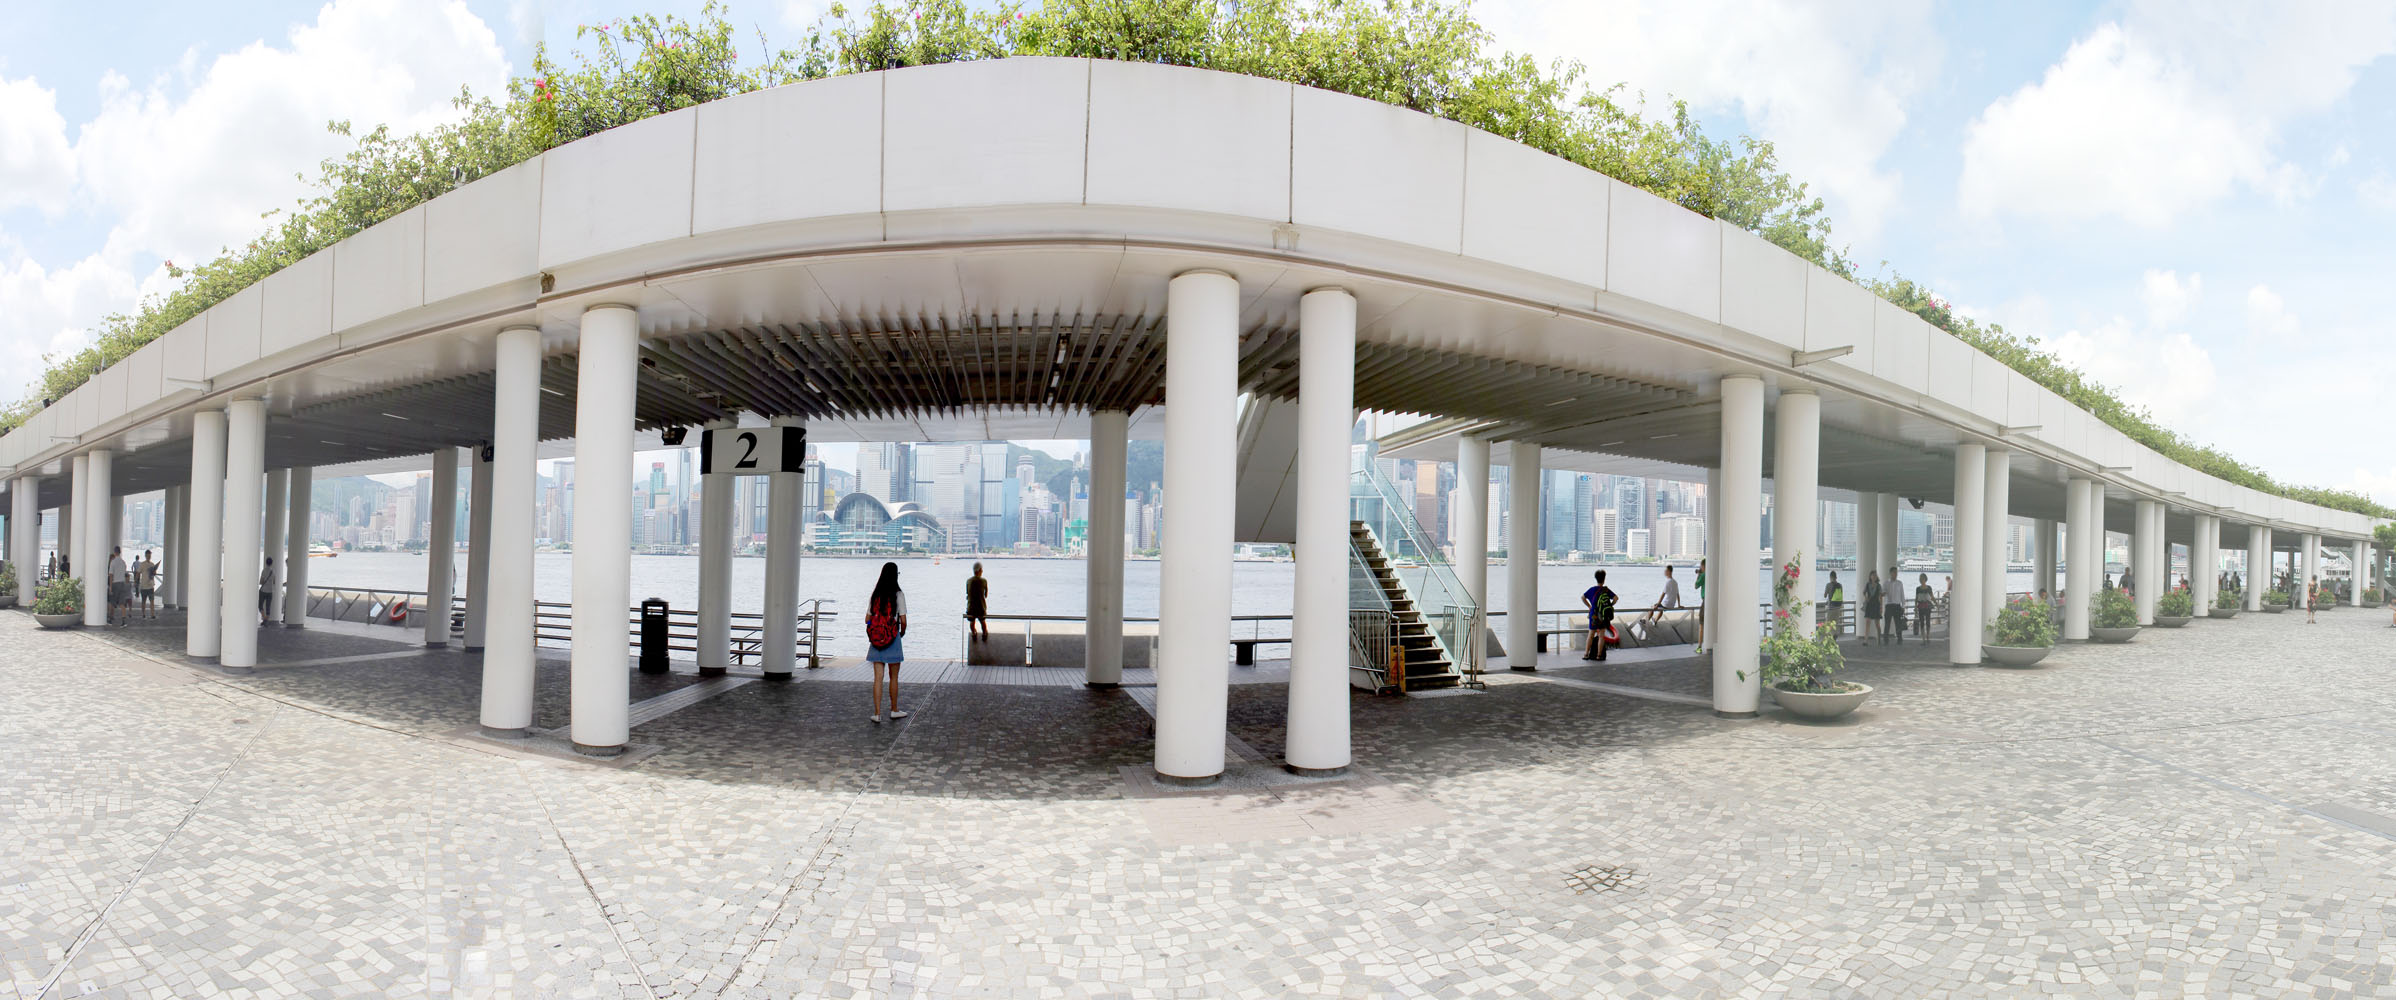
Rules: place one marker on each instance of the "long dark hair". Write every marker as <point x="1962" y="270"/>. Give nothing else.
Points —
<point x="886" y="590"/>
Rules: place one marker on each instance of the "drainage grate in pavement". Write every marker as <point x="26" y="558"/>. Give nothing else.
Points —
<point x="1600" y="878"/>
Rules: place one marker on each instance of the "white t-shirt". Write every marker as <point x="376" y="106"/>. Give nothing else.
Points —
<point x="1671" y="597"/>
<point x="266" y="578"/>
<point x="116" y="569"/>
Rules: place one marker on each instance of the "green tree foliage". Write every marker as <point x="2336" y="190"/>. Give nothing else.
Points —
<point x="1426" y="55"/>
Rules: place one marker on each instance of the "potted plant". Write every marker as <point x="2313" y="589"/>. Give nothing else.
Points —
<point x="60" y="603"/>
<point x="2175" y="608"/>
<point x="2371" y="598"/>
<point x="8" y="585"/>
<point x="2115" y="618"/>
<point x="1797" y="665"/>
<point x="2023" y="633"/>
<point x="2226" y="603"/>
<point x="2275" y="601"/>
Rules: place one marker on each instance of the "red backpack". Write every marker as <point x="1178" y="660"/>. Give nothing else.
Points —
<point x="881" y="627"/>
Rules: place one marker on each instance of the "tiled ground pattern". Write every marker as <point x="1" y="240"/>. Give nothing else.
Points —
<point x="2207" y="811"/>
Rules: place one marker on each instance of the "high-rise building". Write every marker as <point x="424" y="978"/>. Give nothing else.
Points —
<point x="1679" y="536"/>
<point x="1635" y="544"/>
<point x="885" y="471"/>
<point x="1835" y="530"/>
<point x="1605" y="526"/>
<point x="1630" y="507"/>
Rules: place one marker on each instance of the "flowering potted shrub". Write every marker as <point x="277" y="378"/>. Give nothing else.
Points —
<point x="2371" y="598"/>
<point x="8" y="585"/>
<point x="2275" y="601"/>
<point x="2174" y="608"/>
<point x="1798" y="665"/>
<point x="2023" y="633"/>
<point x="2115" y="618"/>
<point x="2226" y="602"/>
<point x="60" y="603"/>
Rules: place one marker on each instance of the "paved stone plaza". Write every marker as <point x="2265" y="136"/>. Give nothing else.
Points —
<point x="2208" y="811"/>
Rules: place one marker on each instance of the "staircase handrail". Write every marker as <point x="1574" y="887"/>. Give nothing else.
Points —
<point x="1439" y="594"/>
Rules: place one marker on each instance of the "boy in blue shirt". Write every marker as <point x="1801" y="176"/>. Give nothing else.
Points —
<point x="1600" y="601"/>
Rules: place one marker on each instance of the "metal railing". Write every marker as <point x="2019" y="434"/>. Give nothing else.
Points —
<point x="1372" y="624"/>
<point x="1454" y="618"/>
<point x="553" y="621"/>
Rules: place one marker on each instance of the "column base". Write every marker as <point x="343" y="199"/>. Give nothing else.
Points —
<point x="1720" y="714"/>
<point x="519" y="733"/>
<point x="778" y="677"/>
<point x="443" y="644"/>
<point x="1102" y="685"/>
<point x="294" y="625"/>
<point x="1527" y="670"/>
<point x="592" y="751"/>
<point x="474" y="649"/>
<point x="714" y="671"/>
<point x="1314" y="772"/>
<point x="1179" y="781"/>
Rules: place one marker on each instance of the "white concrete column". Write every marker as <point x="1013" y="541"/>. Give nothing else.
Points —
<point x="2079" y="583"/>
<point x="75" y="517"/>
<point x="1710" y="597"/>
<point x="715" y="565"/>
<point x="603" y="413"/>
<point x="2042" y="557"/>
<point x="1891" y="509"/>
<point x="441" y="550"/>
<point x="170" y="561"/>
<point x="1102" y="593"/>
<point x="2204" y="563"/>
<point x="1731" y="580"/>
<point x="1202" y="333"/>
<point x="2258" y="565"/>
<point x="478" y="550"/>
<point x="2360" y="576"/>
<point x="1796" y="502"/>
<point x="2146" y="559"/>
<point x="245" y="553"/>
<point x="295" y="546"/>
<point x="278" y="496"/>
<point x="514" y="474"/>
<point x="25" y="534"/>
<point x="2311" y="562"/>
<point x="783" y="534"/>
<point x="1971" y="540"/>
<point x="1317" y="740"/>
<point x="203" y="583"/>
<point x="1470" y="537"/>
<point x="1867" y="545"/>
<point x="182" y="556"/>
<point x="1522" y="554"/>
<point x="99" y="533"/>
<point x="1996" y="521"/>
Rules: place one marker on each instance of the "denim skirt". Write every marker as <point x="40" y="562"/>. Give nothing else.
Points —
<point x="893" y="653"/>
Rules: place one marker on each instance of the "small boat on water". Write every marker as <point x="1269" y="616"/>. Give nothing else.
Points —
<point x="321" y="551"/>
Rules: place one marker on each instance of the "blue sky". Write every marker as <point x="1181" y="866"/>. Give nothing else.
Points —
<point x="2187" y="199"/>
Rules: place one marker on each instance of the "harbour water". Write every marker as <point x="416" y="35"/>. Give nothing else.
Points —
<point x="936" y="590"/>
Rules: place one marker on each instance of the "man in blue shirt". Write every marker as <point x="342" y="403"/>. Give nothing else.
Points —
<point x="1600" y="602"/>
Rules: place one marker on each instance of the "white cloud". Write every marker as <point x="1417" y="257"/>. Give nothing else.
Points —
<point x="2377" y="192"/>
<point x="2167" y="373"/>
<point x="2167" y="110"/>
<point x="802" y="14"/>
<point x="2267" y="315"/>
<point x="37" y="167"/>
<point x="1830" y="84"/>
<point x="2168" y="298"/>
<point x="187" y="173"/>
<point x="2380" y="486"/>
<point x="185" y="164"/>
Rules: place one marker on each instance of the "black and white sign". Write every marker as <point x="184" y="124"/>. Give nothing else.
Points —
<point x="753" y="451"/>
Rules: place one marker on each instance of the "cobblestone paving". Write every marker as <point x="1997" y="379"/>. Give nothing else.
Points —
<point x="2206" y="811"/>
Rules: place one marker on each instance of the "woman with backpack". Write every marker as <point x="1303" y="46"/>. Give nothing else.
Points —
<point x="886" y="632"/>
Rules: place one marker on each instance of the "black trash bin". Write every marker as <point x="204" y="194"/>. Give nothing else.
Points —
<point x="653" y="636"/>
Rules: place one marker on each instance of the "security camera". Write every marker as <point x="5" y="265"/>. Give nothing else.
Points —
<point x="673" y="435"/>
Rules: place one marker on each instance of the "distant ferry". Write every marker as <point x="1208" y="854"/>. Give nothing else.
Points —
<point x="321" y="551"/>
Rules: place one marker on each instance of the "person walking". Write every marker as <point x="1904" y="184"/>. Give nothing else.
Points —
<point x="1922" y="599"/>
<point x="977" y="599"/>
<point x="1868" y="620"/>
<point x="886" y="632"/>
<point x="2312" y="597"/>
<point x="266" y="589"/>
<point x="1892" y="627"/>
<point x="145" y="584"/>
<point x="1699" y="583"/>
<point x="120" y="588"/>
<point x="1599" y="600"/>
<point x="1834" y="598"/>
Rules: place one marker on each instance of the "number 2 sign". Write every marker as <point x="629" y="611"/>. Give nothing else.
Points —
<point x="753" y="451"/>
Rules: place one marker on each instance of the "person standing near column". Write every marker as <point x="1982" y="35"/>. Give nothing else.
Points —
<point x="266" y="589"/>
<point x="886" y="633"/>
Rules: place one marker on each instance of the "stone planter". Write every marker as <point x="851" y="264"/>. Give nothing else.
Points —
<point x="2273" y="609"/>
<point x="8" y="600"/>
<point x="1821" y="707"/>
<point x="2015" y="656"/>
<point x="2169" y="621"/>
<point x="2123" y="634"/>
<point x="2225" y="612"/>
<point x="69" y="620"/>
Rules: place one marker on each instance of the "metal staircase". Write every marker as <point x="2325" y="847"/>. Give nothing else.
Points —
<point x="1426" y="663"/>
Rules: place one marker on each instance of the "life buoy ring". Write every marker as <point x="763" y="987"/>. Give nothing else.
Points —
<point x="399" y="612"/>
<point x="1613" y="638"/>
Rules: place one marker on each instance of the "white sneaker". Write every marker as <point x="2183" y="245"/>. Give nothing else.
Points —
<point x="877" y="718"/>
<point x="896" y="715"/>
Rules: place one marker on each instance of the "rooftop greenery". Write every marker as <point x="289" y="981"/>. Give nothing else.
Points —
<point x="1427" y="55"/>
